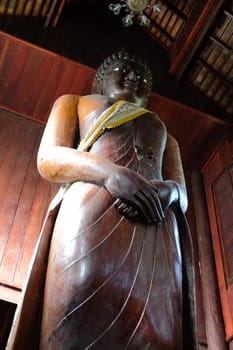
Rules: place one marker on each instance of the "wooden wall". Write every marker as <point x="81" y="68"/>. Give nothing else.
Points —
<point x="197" y="133"/>
<point x="31" y="79"/>
<point x="218" y="181"/>
<point x="24" y="198"/>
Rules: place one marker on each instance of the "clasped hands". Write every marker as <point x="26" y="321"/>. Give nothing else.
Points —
<point x="140" y="200"/>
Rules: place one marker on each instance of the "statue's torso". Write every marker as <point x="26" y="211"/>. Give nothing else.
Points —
<point x="117" y="282"/>
<point x="145" y="136"/>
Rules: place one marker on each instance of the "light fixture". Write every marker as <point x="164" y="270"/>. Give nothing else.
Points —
<point x="134" y="8"/>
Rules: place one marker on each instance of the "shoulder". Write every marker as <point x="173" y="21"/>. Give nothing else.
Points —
<point x="171" y="141"/>
<point x="157" y="120"/>
<point x="68" y="98"/>
<point x="91" y="103"/>
<point x="93" y="98"/>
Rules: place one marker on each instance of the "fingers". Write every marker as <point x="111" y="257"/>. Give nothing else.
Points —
<point x="157" y="207"/>
<point x="126" y="209"/>
<point x="150" y="205"/>
<point x="145" y="206"/>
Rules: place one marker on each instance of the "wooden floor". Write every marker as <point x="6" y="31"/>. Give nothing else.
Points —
<point x="24" y="197"/>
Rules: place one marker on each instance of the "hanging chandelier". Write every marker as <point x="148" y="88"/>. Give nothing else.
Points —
<point x="134" y="8"/>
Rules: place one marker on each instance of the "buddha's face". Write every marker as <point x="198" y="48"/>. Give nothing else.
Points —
<point x="126" y="80"/>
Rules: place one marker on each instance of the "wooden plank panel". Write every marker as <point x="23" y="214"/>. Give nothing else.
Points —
<point x="214" y="168"/>
<point x="8" y="54"/>
<point x="7" y="126"/>
<point x="34" y="190"/>
<point x="35" y="221"/>
<point x="9" y="194"/>
<point x="9" y="294"/>
<point x="24" y="198"/>
<point x="66" y="81"/>
<point x="3" y="48"/>
<point x="18" y="201"/>
<point x="76" y="79"/>
<point x="223" y="199"/>
<point x="21" y="8"/>
<point x="82" y="82"/>
<point x="38" y="83"/>
<point x="42" y="78"/>
<point x="46" y="98"/>
<point x="28" y="75"/>
<point x="213" y="314"/>
<point x="18" y="62"/>
<point x="188" y="119"/>
<point x="38" y="7"/>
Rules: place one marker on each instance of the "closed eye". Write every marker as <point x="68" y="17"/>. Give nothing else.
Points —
<point x="149" y="155"/>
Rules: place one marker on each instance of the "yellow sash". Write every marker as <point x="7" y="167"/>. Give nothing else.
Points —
<point x="118" y="114"/>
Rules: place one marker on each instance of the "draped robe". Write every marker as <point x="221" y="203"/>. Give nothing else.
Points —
<point x="112" y="283"/>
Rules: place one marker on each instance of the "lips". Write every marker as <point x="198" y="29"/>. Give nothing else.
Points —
<point x="131" y="84"/>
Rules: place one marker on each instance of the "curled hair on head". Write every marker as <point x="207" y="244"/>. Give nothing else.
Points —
<point x="118" y="56"/>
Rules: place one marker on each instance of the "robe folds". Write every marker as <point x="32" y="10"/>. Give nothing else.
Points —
<point x="101" y="281"/>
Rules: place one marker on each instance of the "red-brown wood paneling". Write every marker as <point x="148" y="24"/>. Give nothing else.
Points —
<point x="32" y="78"/>
<point x="24" y="196"/>
<point x="191" y="128"/>
<point x="218" y="181"/>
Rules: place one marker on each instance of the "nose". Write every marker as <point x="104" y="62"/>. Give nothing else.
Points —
<point x="131" y="76"/>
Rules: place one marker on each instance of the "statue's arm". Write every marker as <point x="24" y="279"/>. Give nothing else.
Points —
<point x="58" y="162"/>
<point x="58" y="159"/>
<point x="173" y="170"/>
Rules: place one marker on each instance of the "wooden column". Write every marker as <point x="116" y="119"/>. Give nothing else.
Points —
<point x="212" y="310"/>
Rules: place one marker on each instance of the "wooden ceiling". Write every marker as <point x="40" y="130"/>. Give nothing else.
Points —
<point x="197" y="36"/>
<point x="200" y="33"/>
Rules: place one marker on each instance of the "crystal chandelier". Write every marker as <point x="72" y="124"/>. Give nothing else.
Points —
<point x="134" y="8"/>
